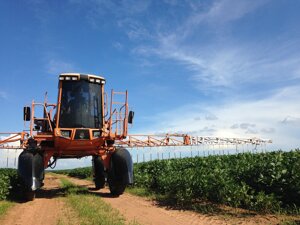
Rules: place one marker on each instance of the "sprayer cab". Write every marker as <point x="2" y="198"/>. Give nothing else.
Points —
<point x="80" y="108"/>
<point x="81" y="123"/>
<point x="80" y="101"/>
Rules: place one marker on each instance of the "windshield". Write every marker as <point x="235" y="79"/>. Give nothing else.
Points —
<point x="80" y="105"/>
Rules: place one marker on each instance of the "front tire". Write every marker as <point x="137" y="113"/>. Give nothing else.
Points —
<point x="29" y="195"/>
<point x="116" y="188"/>
<point x="99" y="175"/>
<point x="99" y="183"/>
<point x="120" y="173"/>
<point x="30" y="172"/>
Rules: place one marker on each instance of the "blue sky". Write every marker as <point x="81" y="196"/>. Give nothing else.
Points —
<point x="212" y="68"/>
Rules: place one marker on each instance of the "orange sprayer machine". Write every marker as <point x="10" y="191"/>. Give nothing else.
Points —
<point x="80" y="124"/>
<point x="83" y="123"/>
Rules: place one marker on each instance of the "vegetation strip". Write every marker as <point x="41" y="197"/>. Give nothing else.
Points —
<point x="266" y="182"/>
<point x="90" y="208"/>
<point x="82" y="173"/>
<point x="8" y="181"/>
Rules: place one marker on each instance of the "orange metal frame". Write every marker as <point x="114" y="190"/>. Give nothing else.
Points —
<point x="114" y="128"/>
<point x="114" y="132"/>
<point x="13" y="137"/>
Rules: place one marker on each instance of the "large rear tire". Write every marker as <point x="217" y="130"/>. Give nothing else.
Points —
<point x="116" y="188"/>
<point x="29" y="195"/>
<point x="31" y="173"/>
<point x="120" y="173"/>
<point x="99" y="175"/>
<point x="99" y="183"/>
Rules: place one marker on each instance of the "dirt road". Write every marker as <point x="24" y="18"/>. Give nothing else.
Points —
<point x="143" y="211"/>
<point x="49" y="209"/>
<point x="46" y="209"/>
<point x="147" y="212"/>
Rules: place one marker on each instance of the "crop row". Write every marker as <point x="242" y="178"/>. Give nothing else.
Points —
<point x="82" y="173"/>
<point x="265" y="182"/>
<point x="8" y="180"/>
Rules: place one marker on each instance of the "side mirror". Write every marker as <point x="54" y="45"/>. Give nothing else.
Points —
<point x="26" y="113"/>
<point x="130" y="117"/>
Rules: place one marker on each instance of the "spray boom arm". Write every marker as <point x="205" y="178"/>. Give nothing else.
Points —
<point x="133" y="141"/>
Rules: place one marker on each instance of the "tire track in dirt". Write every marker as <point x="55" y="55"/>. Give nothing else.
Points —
<point x="49" y="208"/>
<point x="46" y="209"/>
<point x="147" y="212"/>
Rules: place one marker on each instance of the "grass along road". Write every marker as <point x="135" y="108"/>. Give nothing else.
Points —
<point x="60" y="202"/>
<point x="147" y="211"/>
<point x="65" y="201"/>
<point x="90" y="209"/>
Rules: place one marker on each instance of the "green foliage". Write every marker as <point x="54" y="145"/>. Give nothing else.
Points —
<point x="265" y="182"/>
<point x="82" y="173"/>
<point x="4" y="186"/>
<point x="8" y="181"/>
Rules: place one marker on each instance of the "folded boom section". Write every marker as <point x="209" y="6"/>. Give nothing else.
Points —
<point x="133" y="141"/>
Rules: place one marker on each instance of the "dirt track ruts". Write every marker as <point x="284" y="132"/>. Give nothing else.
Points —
<point x="144" y="211"/>
<point x="45" y="209"/>
<point x="49" y="208"/>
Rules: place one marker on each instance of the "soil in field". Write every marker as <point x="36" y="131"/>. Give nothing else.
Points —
<point x="49" y="208"/>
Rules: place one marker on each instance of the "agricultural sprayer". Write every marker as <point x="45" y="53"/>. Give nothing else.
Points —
<point x="84" y="123"/>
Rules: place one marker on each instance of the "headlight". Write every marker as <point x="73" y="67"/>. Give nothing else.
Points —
<point x="96" y="134"/>
<point x="81" y="134"/>
<point x="65" y="133"/>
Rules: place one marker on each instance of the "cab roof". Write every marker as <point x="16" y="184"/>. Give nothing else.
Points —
<point x="82" y="76"/>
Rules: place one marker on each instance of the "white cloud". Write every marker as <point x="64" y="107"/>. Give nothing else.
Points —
<point x="217" y="15"/>
<point x="117" y="45"/>
<point x="133" y="29"/>
<point x="232" y="66"/>
<point x="55" y="67"/>
<point x="3" y="95"/>
<point x="246" y="126"/>
<point x="290" y="120"/>
<point x="221" y="62"/>
<point x="235" y="126"/>
<point x="266" y="118"/>
<point x="132" y="6"/>
<point x="268" y="130"/>
<point x="210" y="117"/>
<point x="223" y="11"/>
<point x="118" y="11"/>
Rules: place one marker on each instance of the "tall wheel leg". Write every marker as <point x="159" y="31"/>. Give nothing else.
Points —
<point x="98" y="172"/>
<point x="120" y="172"/>
<point x="31" y="172"/>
